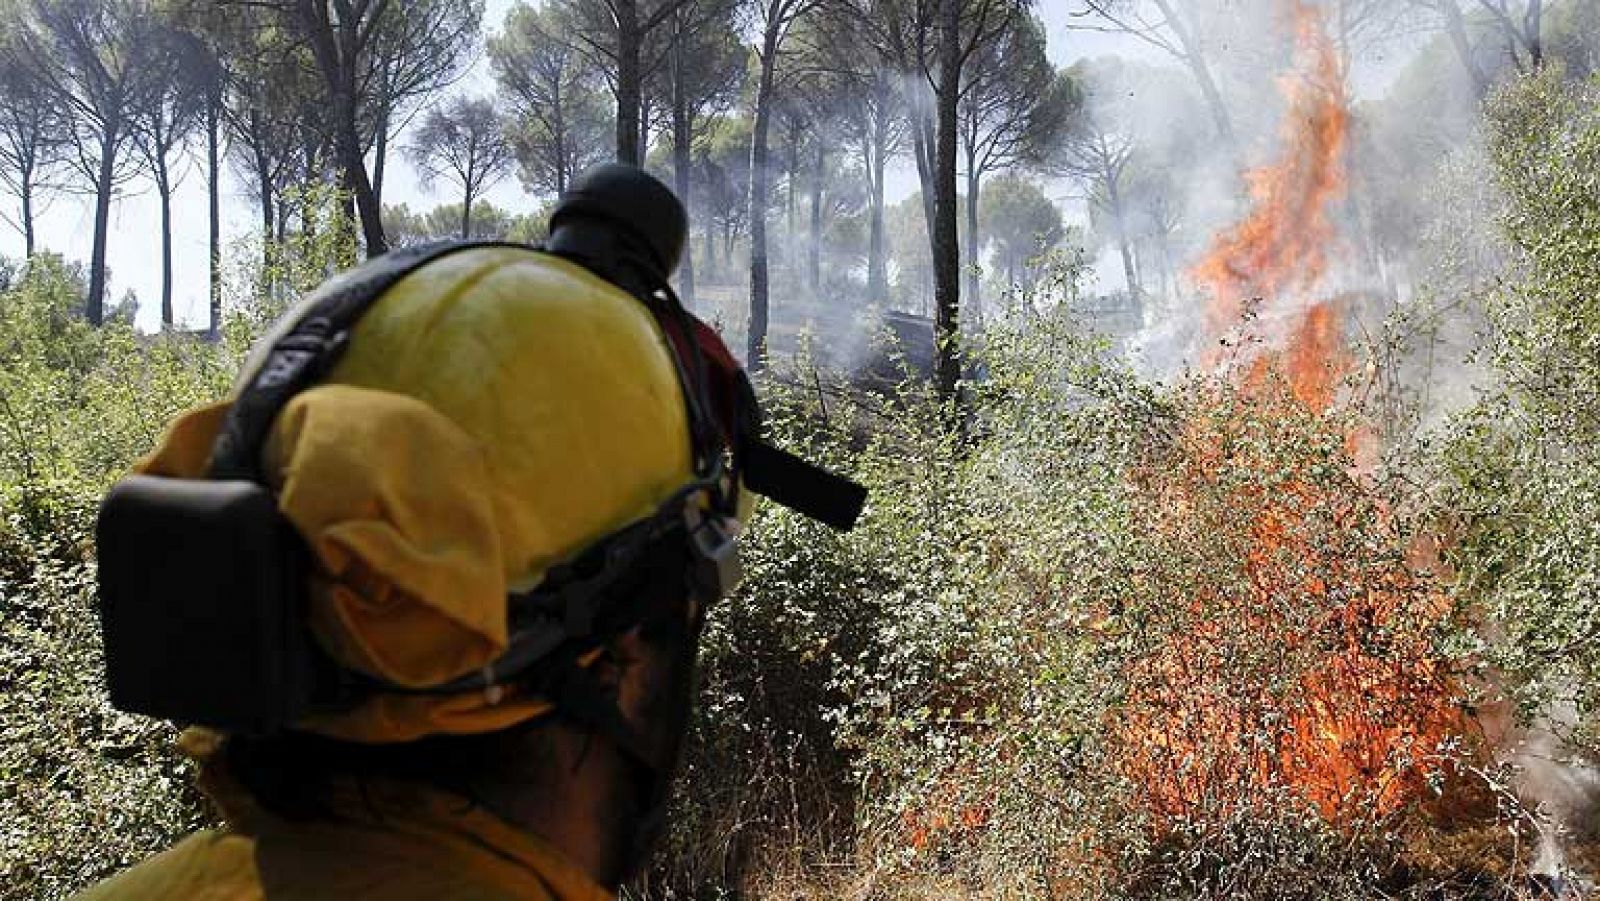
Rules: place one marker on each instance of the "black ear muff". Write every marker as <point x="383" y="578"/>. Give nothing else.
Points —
<point x="202" y="587"/>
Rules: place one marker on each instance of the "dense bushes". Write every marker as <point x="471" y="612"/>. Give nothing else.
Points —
<point x="84" y="790"/>
<point x="1522" y="469"/>
<point x="953" y="698"/>
<point x="919" y="685"/>
<point x="1112" y="643"/>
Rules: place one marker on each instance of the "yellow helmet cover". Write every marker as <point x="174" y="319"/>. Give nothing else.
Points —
<point x="497" y="412"/>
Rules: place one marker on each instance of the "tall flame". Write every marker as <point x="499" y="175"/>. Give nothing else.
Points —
<point x="1282" y="247"/>
<point x="1318" y="596"/>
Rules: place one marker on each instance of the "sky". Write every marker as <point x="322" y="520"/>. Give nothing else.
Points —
<point x="134" y="247"/>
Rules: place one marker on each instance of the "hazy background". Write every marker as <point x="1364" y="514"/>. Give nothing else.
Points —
<point x="134" y="258"/>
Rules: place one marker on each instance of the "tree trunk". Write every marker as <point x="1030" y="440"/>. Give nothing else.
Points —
<point x="164" y="191"/>
<point x="25" y="188"/>
<point x="711" y="250"/>
<point x="682" y="163"/>
<point x="355" y="178"/>
<point x="334" y="44"/>
<point x="971" y="270"/>
<point x="945" y="240"/>
<point x="629" y="89"/>
<point x="1456" y="27"/>
<point x="466" y="217"/>
<point x="380" y="155"/>
<point x="1169" y="275"/>
<point x="756" y="335"/>
<point x="214" y="201"/>
<point x="94" y="308"/>
<point x="645" y="111"/>
<point x="922" y="144"/>
<point x="1533" y="26"/>
<point x="1130" y="269"/>
<point x="1195" y="59"/>
<point x="558" y="131"/>
<point x="268" y="232"/>
<point x="819" y="168"/>
<point x="790" y="177"/>
<point x="877" y="260"/>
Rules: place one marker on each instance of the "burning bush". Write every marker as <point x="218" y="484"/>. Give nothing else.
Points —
<point x="1116" y="643"/>
<point x="1285" y="645"/>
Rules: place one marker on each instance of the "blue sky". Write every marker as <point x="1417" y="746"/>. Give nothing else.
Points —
<point x="134" y="252"/>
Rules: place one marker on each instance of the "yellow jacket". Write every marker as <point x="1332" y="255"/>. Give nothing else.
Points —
<point x="389" y="841"/>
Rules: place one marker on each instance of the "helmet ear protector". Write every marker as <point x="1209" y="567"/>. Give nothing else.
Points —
<point x="204" y="584"/>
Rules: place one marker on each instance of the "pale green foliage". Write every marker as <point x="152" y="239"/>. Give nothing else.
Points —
<point x="268" y="278"/>
<point x="977" y="698"/>
<point x="78" y="403"/>
<point x="1523" y="465"/>
<point x="857" y="677"/>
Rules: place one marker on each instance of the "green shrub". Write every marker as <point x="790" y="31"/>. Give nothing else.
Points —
<point x="85" y="790"/>
<point x="1522" y="471"/>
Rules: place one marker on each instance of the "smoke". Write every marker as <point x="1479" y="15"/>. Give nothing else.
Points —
<point x="1414" y="115"/>
<point x="1561" y="790"/>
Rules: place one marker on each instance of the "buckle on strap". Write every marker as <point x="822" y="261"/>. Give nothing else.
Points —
<point x="717" y="568"/>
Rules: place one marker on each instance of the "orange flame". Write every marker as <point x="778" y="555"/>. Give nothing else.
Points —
<point x="1283" y="246"/>
<point x="1303" y="659"/>
<point x="1350" y="691"/>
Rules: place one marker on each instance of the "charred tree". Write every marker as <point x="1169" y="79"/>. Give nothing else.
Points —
<point x="943" y="231"/>
<point x="777" y="19"/>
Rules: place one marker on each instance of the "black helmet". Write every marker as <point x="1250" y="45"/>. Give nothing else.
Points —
<point x="631" y="201"/>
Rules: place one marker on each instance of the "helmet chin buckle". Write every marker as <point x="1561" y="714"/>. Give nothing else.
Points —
<point x="717" y="569"/>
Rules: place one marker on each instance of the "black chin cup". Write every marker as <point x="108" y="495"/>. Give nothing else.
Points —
<point x="715" y="567"/>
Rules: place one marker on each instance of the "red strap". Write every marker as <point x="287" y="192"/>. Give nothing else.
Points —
<point x="721" y="369"/>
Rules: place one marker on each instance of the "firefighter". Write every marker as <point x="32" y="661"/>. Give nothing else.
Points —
<point x="511" y="478"/>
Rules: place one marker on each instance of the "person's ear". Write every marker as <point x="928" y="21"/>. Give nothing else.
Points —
<point x="651" y="666"/>
<point x="609" y="667"/>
